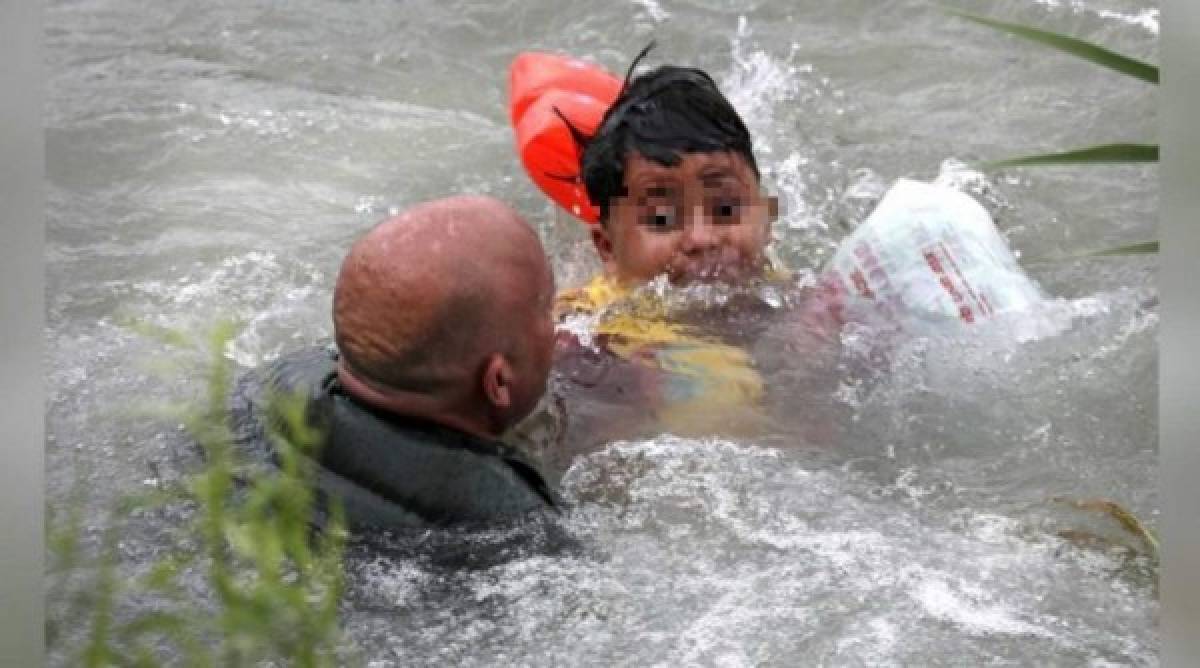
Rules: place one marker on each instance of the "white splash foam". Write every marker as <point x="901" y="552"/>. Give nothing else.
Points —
<point x="1146" y="19"/>
<point x="189" y="291"/>
<point x="756" y="84"/>
<point x="394" y="581"/>
<point x="963" y="606"/>
<point x="582" y="326"/>
<point x="250" y="288"/>
<point x="790" y="177"/>
<point x="652" y="10"/>
<point x="1139" y="323"/>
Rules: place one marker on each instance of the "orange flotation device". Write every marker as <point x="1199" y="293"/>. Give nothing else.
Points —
<point x="540" y="84"/>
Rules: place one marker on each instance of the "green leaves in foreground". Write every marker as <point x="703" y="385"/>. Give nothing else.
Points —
<point x="1126" y="519"/>
<point x="1092" y="155"/>
<point x="270" y="585"/>
<point x="1074" y="46"/>
<point x="1132" y="249"/>
<point x="1107" y="153"/>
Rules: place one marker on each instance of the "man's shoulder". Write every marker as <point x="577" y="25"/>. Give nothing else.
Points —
<point x="432" y="471"/>
<point x="442" y="472"/>
<point x="258" y="393"/>
<point x="299" y="369"/>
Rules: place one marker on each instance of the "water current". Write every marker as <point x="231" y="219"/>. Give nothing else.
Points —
<point x="214" y="159"/>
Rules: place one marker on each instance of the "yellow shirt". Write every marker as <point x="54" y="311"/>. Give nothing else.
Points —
<point x="708" y="386"/>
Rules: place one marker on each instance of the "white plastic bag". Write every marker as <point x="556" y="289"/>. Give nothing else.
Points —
<point x="930" y="253"/>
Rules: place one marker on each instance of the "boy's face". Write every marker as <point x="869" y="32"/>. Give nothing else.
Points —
<point x="701" y="220"/>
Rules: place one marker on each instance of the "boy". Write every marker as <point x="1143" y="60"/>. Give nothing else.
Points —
<point x="672" y="171"/>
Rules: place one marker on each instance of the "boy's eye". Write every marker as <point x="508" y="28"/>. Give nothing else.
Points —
<point x="660" y="218"/>
<point x="724" y="210"/>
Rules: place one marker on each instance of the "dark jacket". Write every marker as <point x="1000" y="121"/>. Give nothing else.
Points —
<point x="390" y="471"/>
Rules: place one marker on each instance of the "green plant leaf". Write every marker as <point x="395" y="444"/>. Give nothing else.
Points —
<point x="1140" y="248"/>
<point x="275" y="591"/>
<point x="1106" y="153"/>
<point x="156" y="622"/>
<point x="1126" y="519"/>
<point x="1131" y="249"/>
<point x="1076" y="47"/>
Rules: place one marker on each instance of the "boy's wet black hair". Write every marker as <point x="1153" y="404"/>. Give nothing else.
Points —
<point x="659" y="115"/>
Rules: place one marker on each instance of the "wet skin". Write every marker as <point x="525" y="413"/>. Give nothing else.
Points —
<point x="704" y="219"/>
<point x="533" y="323"/>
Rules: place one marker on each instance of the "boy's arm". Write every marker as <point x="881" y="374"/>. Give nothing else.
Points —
<point x="606" y="397"/>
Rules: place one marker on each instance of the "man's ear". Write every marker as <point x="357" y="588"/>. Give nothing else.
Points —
<point x="498" y="381"/>
<point x="603" y="243"/>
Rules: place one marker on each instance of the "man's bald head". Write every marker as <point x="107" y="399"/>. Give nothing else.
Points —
<point x="424" y="297"/>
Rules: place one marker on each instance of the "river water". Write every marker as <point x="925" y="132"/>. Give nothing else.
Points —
<point x="214" y="159"/>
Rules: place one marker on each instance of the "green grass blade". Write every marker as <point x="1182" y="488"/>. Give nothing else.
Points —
<point x="1090" y="155"/>
<point x="1142" y="248"/>
<point x="1077" y="47"/>
<point x="1126" y="519"/>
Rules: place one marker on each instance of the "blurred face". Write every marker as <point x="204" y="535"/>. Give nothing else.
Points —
<point x="701" y="220"/>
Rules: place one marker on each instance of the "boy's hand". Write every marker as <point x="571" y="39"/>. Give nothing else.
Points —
<point x="607" y="397"/>
<point x="823" y="310"/>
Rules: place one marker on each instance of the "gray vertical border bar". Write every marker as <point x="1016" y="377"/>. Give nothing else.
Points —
<point x="22" y="300"/>
<point x="1179" y="359"/>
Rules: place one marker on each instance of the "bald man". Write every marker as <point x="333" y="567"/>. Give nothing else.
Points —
<point x="444" y="339"/>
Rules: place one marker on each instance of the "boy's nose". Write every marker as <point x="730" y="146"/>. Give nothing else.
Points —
<point x="699" y="233"/>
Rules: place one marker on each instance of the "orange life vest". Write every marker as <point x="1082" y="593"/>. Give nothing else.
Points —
<point x="541" y="87"/>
